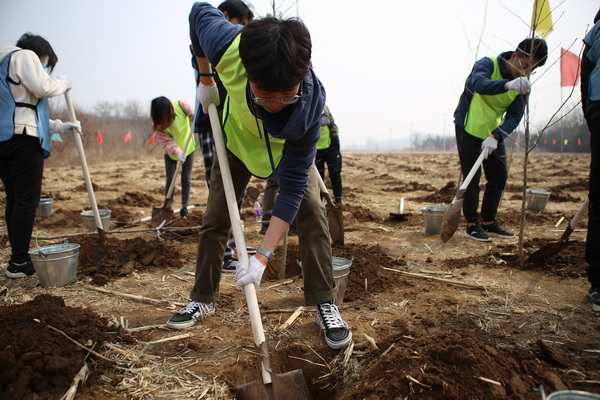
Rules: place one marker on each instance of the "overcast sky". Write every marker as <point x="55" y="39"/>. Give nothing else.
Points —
<point x="390" y="67"/>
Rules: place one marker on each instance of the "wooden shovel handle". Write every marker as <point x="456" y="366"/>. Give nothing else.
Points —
<point x="84" y="165"/>
<point x="177" y="169"/>
<point x="240" y="244"/>
<point x="573" y="224"/>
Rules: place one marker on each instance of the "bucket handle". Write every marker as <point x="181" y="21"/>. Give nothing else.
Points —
<point x="37" y="245"/>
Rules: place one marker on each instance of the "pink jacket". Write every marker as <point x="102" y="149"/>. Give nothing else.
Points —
<point x="166" y="141"/>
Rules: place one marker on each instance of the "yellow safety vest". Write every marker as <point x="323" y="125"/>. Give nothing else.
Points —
<point x="486" y="111"/>
<point x="180" y="130"/>
<point x="240" y="126"/>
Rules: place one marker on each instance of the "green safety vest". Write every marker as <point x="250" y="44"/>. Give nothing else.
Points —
<point x="325" y="139"/>
<point x="486" y="111"/>
<point x="180" y="130"/>
<point x="241" y="127"/>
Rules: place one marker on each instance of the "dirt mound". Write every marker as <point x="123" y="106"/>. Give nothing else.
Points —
<point x="124" y="257"/>
<point x="455" y="361"/>
<point x="444" y="195"/>
<point x="137" y="199"/>
<point x="39" y="362"/>
<point x="568" y="262"/>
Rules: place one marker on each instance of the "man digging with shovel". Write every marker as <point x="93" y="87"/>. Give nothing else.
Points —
<point x="271" y="124"/>
<point x="490" y="108"/>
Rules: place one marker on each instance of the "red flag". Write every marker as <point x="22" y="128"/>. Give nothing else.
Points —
<point x="99" y="137"/>
<point x="127" y="137"/>
<point x="151" y="140"/>
<point x="554" y="141"/>
<point x="578" y="141"/>
<point x="569" y="68"/>
<point x="545" y="142"/>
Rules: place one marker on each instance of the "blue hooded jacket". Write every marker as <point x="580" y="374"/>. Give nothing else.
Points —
<point x="299" y="123"/>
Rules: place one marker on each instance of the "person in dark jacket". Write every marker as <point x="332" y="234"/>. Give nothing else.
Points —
<point x="328" y="153"/>
<point x="490" y="108"/>
<point x="271" y="122"/>
<point x="590" y="101"/>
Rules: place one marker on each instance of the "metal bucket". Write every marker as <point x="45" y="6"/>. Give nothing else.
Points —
<point x="56" y="265"/>
<point x="433" y="217"/>
<point x="90" y="224"/>
<point x="572" y="395"/>
<point x="537" y="199"/>
<point x="45" y="207"/>
<point x="341" y="269"/>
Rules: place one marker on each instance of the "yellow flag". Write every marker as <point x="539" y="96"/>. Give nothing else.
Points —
<point x="541" y="19"/>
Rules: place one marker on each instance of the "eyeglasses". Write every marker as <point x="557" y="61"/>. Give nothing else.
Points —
<point x="287" y="100"/>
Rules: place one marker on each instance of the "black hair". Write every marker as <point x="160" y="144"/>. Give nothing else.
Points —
<point x="39" y="46"/>
<point x="540" y="50"/>
<point x="276" y="53"/>
<point x="237" y="9"/>
<point x="161" y="111"/>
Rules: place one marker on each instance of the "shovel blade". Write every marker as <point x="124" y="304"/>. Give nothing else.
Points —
<point x="549" y="249"/>
<point x="335" y="218"/>
<point x="288" y="386"/>
<point x="99" y="251"/>
<point x="451" y="219"/>
<point x="159" y="215"/>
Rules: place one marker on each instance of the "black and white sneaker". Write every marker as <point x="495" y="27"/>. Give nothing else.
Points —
<point x="229" y="265"/>
<point x="190" y="314"/>
<point x="14" y="271"/>
<point x="476" y="232"/>
<point x="337" y="334"/>
<point x="496" y="230"/>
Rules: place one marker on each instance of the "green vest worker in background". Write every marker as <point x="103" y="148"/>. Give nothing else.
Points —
<point x="489" y="109"/>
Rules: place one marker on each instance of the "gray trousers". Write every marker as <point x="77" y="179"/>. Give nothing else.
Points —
<point x="313" y="236"/>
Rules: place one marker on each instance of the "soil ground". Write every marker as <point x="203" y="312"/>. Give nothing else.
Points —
<point x="430" y="320"/>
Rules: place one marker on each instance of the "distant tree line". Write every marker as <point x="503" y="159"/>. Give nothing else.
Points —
<point x="572" y="132"/>
<point x="109" y="123"/>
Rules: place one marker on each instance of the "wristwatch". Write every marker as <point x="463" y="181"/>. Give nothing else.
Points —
<point x="266" y="253"/>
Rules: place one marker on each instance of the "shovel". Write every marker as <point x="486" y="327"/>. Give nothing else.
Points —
<point x="451" y="217"/>
<point x="335" y="217"/>
<point x="164" y="214"/>
<point x="554" y="247"/>
<point x="289" y="385"/>
<point x="98" y="252"/>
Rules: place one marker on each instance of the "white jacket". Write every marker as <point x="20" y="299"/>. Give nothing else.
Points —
<point x="25" y="67"/>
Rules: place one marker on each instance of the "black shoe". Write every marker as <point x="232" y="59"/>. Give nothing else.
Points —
<point x="476" y="232"/>
<point x="494" y="229"/>
<point x="338" y="201"/>
<point x="15" y="271"/>
<point x="263" y="228"/>
<point x="594" y="296"/>
<point x="183" y="211"/>
<point x="191" y="313"/>
<point x="230" y="264"/>
<point x="337" y="334"/>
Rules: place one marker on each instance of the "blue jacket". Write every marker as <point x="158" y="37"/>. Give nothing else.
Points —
<point x="299" y="124"/>
<point x="479" y="81"/>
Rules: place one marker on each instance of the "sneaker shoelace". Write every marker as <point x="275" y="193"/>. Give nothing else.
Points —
<point x="331" y="316"/>
<point x="194" y="306"/>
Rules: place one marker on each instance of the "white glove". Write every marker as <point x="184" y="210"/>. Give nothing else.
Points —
<point x="521" y="85"/>
<point x="207" y="95"/>
<point x="71" y="127"/>
<point x="254" y="274"/>
<point x="489" y="144"/>
<point x="181" y="157"/>
<point x="67" y="80"/>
